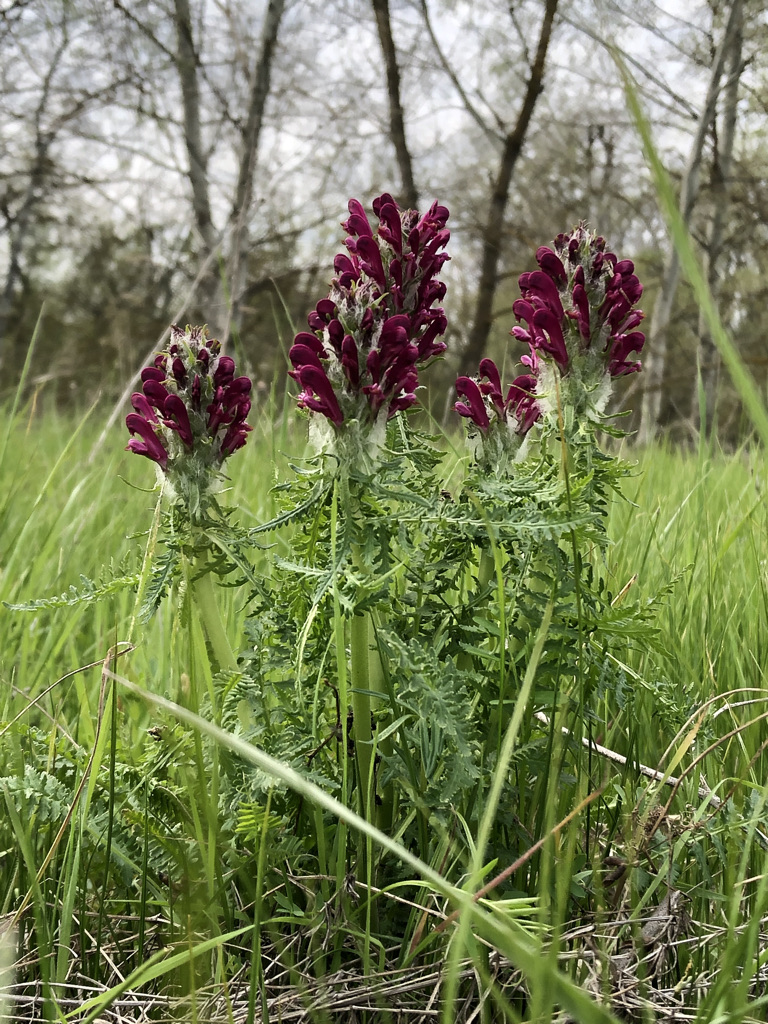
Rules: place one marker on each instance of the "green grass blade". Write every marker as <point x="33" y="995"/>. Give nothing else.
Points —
<point x="681" y="239"/>
<point x="10" y="422"/>
<point x="156" y="966"/>
<point x="511" y="940"/>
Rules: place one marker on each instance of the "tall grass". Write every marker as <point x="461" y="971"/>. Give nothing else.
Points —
<point x="699" y="529"/>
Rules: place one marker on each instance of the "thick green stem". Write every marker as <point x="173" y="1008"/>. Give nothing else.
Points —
<point x="486" y="569"/>
<point x="205" y="599"/>
<point x="363" y="732"/>
<point x="361" y="708"/>
<point x="386" y="809"/>
<point x="367" y="674"/>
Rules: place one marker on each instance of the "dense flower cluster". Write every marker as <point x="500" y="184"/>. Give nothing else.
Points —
<point x="379" y="324"/>
<point x="580" y="304"/>
<point x="191" y="412"/>
<point x="581" y="329"/>
<point x="499" y="422"/>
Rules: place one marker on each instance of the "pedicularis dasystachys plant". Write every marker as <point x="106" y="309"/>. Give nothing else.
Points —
<point x="579" y="308"/>
<point x="580" y="327"/>
<point x="189" y="417"/>
<point x="386" y="655"/>
<point x="580" y="317"/>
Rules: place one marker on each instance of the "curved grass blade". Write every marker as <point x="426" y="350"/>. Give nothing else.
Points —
<point x="510" y="940"/>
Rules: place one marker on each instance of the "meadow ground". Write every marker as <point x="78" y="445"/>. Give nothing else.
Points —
<point x="73" y="513"/>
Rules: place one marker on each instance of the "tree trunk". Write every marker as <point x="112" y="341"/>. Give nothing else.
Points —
<point x="237" y="263"/>
<point x="396" y="122"/>
<point x="20" y="224"/>
<point x="709" y="358"/>
<point x="494" y="227"/>
<point x="187" y="64"/>
<point x="656" y="345"/>
<point x="18" y="232"/>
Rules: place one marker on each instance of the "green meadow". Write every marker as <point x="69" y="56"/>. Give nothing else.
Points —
<point x="96" y="781"/>
<point x="374" y="719"/>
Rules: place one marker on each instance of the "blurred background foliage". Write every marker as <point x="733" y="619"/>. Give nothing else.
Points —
<point x="191" y="160"/>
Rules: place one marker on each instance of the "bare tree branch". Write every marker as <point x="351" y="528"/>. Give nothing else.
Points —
<point x="520" y="34"/>
<point x="187" y="62"/>
<point x="689" y="188"/>
<point x="147" y="32"/>
<point x="642" y="67"/>
<point x="19" y="224"/>
<point x="396" y="121"/>
<point x="144" y="29"/>
<point x="472" y="110"/>
<point x="260" y="84"/>
<point x="494" y="226"/>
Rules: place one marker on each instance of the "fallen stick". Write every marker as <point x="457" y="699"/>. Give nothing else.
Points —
<point x="652" y="773"/>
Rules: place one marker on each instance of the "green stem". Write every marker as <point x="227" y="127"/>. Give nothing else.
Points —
<point x="361" y="708"/>
<point x="205" y="599"/>
<point x="386" y="810"/>
<point x="486" y="569"/>
<point x="485" y="573"/>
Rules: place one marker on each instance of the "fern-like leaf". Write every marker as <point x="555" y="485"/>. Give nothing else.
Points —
<point x="86" y="593"/>
<point x="165" y="568"/>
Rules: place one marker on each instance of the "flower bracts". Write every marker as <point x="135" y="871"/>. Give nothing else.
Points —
<point x="191" y="412"/>
<point x="379" y="324"/>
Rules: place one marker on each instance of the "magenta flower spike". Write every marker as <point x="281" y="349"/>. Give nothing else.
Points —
<point x="380" y="323"/>
<point x="498" y="423"/>
<point x="190" y="414"/>
<point x="579" y="316"/>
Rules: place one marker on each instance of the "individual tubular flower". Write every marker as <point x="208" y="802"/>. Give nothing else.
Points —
<point x="498" y="423"/>
<point x="379" y="325"/>
<point x="579" y="315"/>
<point x="190" y="414"/>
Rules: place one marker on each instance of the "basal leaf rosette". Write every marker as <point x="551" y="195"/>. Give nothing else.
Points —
<point x="379" y="326"/>
<point x="497" y="423"/>
<point x="580" y="322"/>
<point x="190" y="415"/>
